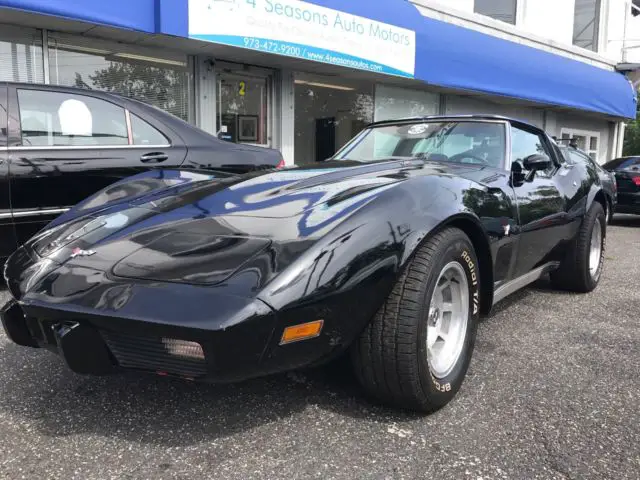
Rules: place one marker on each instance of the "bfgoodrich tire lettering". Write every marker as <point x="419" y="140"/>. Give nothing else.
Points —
<point x="574" y="273"/>
<point x="391" y="357"/>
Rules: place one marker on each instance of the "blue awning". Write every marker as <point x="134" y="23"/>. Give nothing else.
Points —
<point x="446" y="55"/>
<point x="128" y="14"/>
<point x="451" y="56"/>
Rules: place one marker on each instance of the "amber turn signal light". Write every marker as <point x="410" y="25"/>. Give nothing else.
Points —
<point x="303" y="331"/>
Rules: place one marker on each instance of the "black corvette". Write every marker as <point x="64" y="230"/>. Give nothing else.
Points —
<point x="390" y="251"/>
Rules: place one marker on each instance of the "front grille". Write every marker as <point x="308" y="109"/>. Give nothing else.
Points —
<point x="155" y="354"/>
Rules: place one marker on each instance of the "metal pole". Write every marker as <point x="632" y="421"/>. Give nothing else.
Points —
<point x="45" y="55"/>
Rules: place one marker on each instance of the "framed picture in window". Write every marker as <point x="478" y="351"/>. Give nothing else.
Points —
<point x="248" y="128"/>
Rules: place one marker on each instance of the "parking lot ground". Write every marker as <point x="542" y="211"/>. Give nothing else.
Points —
<point x="553" y="391"/>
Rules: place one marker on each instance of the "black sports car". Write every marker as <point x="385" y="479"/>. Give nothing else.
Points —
<point x="389" y="250"/>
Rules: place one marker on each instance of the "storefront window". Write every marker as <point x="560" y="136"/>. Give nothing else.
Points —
<point x="503" y="10"/>
<point x="328" y="112"/>
<point x="242" y="110"/>
<point x="395" y="102"/>
<point x="21" y="54"/>
<point x="585" y="24"/>
<point x="159" y="81"/>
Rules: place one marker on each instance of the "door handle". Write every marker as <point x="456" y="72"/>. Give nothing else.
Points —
<point x="155" y="157"/>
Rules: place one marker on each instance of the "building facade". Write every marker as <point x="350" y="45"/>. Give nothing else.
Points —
<point x="305" y="76"/>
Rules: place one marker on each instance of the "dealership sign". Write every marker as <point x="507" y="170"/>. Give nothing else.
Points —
<point x="303" y="30"/>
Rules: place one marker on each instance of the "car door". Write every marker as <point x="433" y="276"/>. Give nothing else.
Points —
<point x="7" y="232"/>
<point x="72" y="144"/>
<point x="544" y="199"/>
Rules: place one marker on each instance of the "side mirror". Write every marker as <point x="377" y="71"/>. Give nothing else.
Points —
<point x="536" y="162"/>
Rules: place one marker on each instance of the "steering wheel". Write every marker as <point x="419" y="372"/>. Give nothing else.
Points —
<point x="475" y="160"/>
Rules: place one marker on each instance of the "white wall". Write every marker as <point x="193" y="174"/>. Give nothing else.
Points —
<point x="633" y="39"/>
<point x="616" y="32"/>
<point x="551" y="19"/>
<point x="543" y="24"/>
<point x="615" y="28"/>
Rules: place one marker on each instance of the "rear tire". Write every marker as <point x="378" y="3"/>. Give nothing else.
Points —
<point x="402" y="358"/>
<point x="581" y="270"/>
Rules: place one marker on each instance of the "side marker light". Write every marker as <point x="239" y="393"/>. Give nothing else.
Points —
<point x="302" y="331"/>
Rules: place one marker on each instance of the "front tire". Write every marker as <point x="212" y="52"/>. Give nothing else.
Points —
<point x="415" y="352"/>
<point x="582" y="268"/>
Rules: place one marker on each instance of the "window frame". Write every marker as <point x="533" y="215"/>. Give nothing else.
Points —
<point x="586" y="158"/>
<point x="587" y="134"/>
<point x="29" y="37"/>
<point x="129" y="114"/>
<point x="506" y="166"/>
<point x="596" y="27"/>
<point x="517" y="5"/>
<point x="17" y="131"/>
<point x="132" y="54"/>
<point x="546" y="143"/>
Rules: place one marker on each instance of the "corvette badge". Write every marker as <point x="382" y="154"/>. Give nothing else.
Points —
<point x="78" y="252"/>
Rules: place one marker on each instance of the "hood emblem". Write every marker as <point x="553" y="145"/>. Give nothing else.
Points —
<point x="507" y="229"/>
<point x="78" y="252"/>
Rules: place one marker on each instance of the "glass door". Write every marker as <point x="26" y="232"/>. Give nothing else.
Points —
<point x="244" y="107"/>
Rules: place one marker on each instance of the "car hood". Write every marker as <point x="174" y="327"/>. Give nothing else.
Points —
<point x="237" y="231"/>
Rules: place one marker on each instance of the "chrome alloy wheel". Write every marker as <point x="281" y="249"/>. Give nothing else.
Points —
<point x="595" y="249"/>
<point x="447" y="321"/>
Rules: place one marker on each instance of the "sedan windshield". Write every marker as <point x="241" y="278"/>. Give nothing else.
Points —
<point x="481" y="143"/>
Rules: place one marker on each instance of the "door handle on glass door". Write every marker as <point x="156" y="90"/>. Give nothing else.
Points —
<point x="155" y="157"/>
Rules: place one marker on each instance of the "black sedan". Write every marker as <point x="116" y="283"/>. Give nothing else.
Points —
<point x="390" y="250"/>
<point x="60" y="145"/>
<point x="627" y="173"/>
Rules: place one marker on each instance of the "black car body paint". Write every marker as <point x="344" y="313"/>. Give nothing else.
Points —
<point x="230" y="261"/>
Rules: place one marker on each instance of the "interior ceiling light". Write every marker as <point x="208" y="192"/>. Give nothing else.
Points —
<point x="323" y="85"/>
<point x="80" y="48"/>
<point x="132" y="56"/>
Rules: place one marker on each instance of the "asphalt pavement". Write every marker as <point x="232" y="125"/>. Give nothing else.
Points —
<point x="553" y="391"/>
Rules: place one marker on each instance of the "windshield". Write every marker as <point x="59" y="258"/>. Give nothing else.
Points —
<point x="480" y="143"/>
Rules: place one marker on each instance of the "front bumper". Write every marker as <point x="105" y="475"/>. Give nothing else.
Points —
<point x="98" y="346"/>
<point x="100" y="323"/>
<point x="82" y="348"/>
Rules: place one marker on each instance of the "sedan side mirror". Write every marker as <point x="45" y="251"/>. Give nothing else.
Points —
<point x="536" y="162"/>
